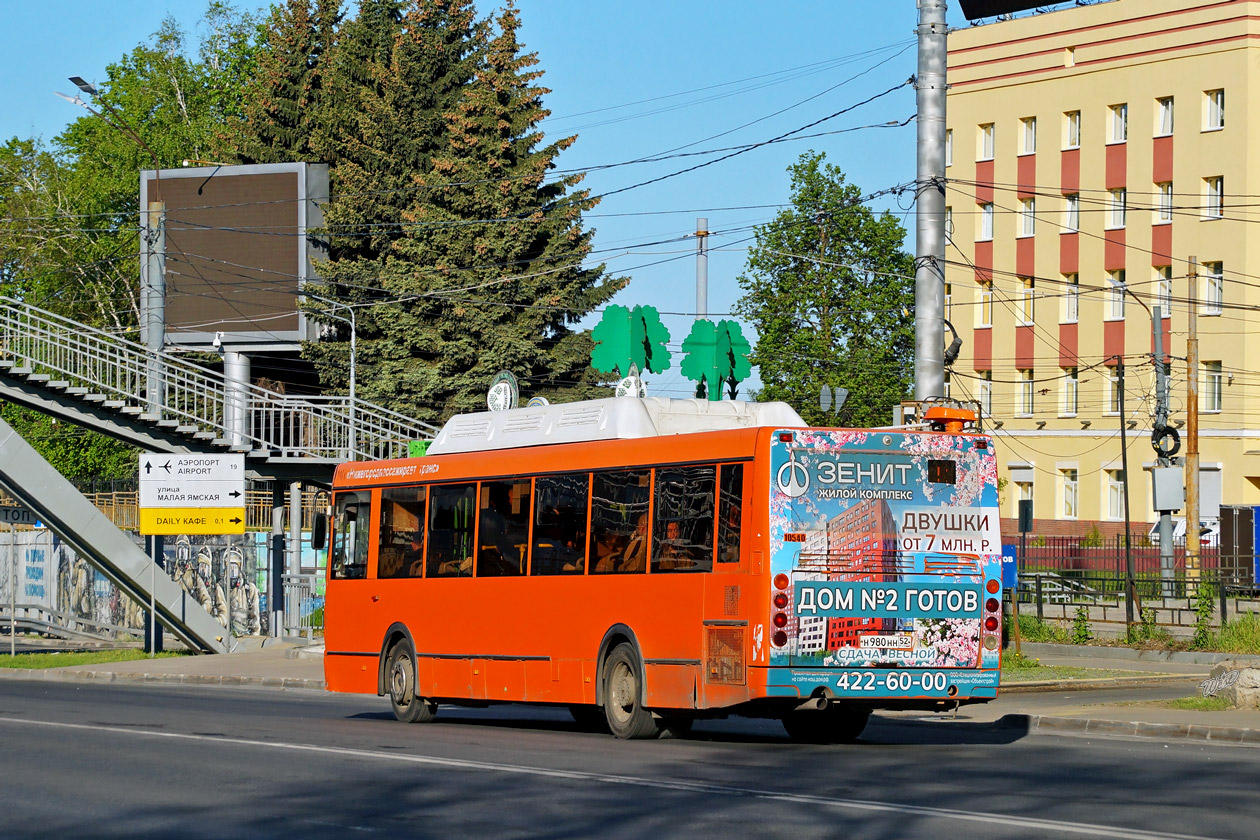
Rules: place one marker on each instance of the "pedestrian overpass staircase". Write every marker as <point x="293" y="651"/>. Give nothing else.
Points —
<point x="86" y="376"/>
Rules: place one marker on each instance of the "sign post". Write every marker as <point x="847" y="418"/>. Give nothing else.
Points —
<point x="188" y="494"/>
<point x="14" y="516"/>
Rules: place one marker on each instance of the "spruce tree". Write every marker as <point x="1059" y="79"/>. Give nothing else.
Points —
<point x="283" y="101"/>
<point x="493" y="252"/>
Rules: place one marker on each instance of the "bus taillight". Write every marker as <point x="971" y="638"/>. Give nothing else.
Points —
<point x="780" y="620"/>
<point x="991" y="624"/>
<point x="991" y="605"/>
<point x="779" y="639"/>
<point x="993" y="586"/>
<point x="992" y="613"/>
<point x="781" y="600"/>
<point x="781" y="581"/>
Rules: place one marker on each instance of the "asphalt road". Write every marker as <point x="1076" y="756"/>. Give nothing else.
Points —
<point x="102" y="761"/>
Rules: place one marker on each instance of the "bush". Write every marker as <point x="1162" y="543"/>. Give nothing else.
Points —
<point x="1204" y="608"/>
<point x="1081" y="632"/>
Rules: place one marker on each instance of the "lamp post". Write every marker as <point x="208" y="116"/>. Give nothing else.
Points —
<point x="153" y="291"/>
<point x="353" y="351"/>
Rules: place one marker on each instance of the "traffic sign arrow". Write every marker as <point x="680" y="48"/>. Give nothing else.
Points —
<point x="234" y="493"/>
<point x="235" y="520"/>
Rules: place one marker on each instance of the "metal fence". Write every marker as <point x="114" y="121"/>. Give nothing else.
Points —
<point x="1063" y="577"/>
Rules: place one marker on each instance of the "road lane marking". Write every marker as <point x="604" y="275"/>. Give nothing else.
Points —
<point x="1058" y="826"/>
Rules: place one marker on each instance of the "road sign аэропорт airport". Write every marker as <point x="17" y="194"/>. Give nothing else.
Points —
<point x="192" y="494"/>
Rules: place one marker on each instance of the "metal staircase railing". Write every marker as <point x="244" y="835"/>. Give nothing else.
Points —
<point x="60" y="354"/>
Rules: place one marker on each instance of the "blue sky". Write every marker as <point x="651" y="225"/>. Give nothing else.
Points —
<point x="631" y="79"/>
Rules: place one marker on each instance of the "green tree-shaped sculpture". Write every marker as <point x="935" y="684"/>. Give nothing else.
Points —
<point x="716" y="353"/>
<point x="625" y="337"/>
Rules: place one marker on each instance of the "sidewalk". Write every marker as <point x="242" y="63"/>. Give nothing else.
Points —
<point x="1114" y="706"/>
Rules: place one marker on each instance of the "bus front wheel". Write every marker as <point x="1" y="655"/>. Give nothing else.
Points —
<point x="400" y="681"/>
<point x="626" y="716"/>
<point x="836" y="725"/>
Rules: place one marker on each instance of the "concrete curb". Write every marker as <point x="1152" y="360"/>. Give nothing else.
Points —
<point x="74" y="675"/>
<point x="1030" y="686"/>
<point x="1094" y="726"/>
<point x="1183" y="657"/>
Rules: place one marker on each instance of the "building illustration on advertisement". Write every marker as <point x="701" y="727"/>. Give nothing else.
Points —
<point x="865" y="538"/>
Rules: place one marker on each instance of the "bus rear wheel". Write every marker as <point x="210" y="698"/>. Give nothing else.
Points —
<point x="836" y="725"/>
<point x="400" y="682"/>
<point x="627" y="719"/>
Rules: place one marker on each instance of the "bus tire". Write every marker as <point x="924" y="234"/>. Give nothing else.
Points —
<point x="400" y="684"/>
<point x="836" y="725"/>
<point x="589" y="718"/>
<point x="627" y="719"/>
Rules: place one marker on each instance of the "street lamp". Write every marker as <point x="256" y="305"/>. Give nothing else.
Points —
<point x="353" y="348"/>
<point x="153" y="291"/>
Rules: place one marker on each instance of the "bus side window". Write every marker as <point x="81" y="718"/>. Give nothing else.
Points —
<point x="449" y="551"/>
<point x="401" y="551"/>
<point x="503" y="528"/>
<point x="619" y="520"/>
<point x="682" y="534"/>
<point x="730" y="498"/>
<point x="353" y="514"/>
<point x="560" y="503"/>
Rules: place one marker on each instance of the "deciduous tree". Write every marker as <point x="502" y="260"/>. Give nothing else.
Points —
<point x="829" y="287"/>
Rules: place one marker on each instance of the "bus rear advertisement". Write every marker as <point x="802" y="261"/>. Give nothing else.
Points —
<point x="647" y="562"/>
<point x="885" y="564"/>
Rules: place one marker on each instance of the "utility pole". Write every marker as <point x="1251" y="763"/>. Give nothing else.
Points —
<point x="929" y="276"/>
<point x="1167" y="562"/>
<point x="1192" y="424"/>
<point x="1130" y="574"/>
<point x="153" y="300"/>
<point x="702" y="268"/>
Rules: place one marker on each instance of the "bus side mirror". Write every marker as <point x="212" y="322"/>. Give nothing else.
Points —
<point x="319" y="531"/>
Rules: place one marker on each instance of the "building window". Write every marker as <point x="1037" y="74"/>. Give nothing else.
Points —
<point x="1071" y="213"/>
<point x="1163" y="274"/>
<point x="949" y="302"/>
<point x="1213" y="197"/>
<point x="1072" y="130"/>
<point x="1024" y="303"/>
<point x="1119" y="132"/>
<point x="1023" y="493"/>
<point x="1210" y="396"/>
<point x="1113" y="391"/>
<point x="1115" y="211"/>
<point x="947" y="388"/>
<point x="1028" y="132"/>
<point x="949" y="221"/>
<point x="986" y="223"/>
<point x="1214" y="288"/>
<point x="949" y="147"/>
<point x="1071" y="298"/>
<point x="1027" y="216"/>
<point x="1115" y="295"/>
<point x="1214" y="110"/>
<point x="1071" y="493"/>
<point x="984" y="147"/>
<point x="1164" y="116"/>
<point x="984" y="392"/>
<point x="1164" y="206"/>
<point x="1071" y="390"/>
<point x="1115" y="494"/>
<point x="1026" y="391"/>
<point x="984" y="308"/>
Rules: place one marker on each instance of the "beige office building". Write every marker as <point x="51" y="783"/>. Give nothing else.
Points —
<point x="1092" y="152"/>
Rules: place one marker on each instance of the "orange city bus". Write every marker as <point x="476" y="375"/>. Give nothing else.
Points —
<point x="647" y="562"/>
